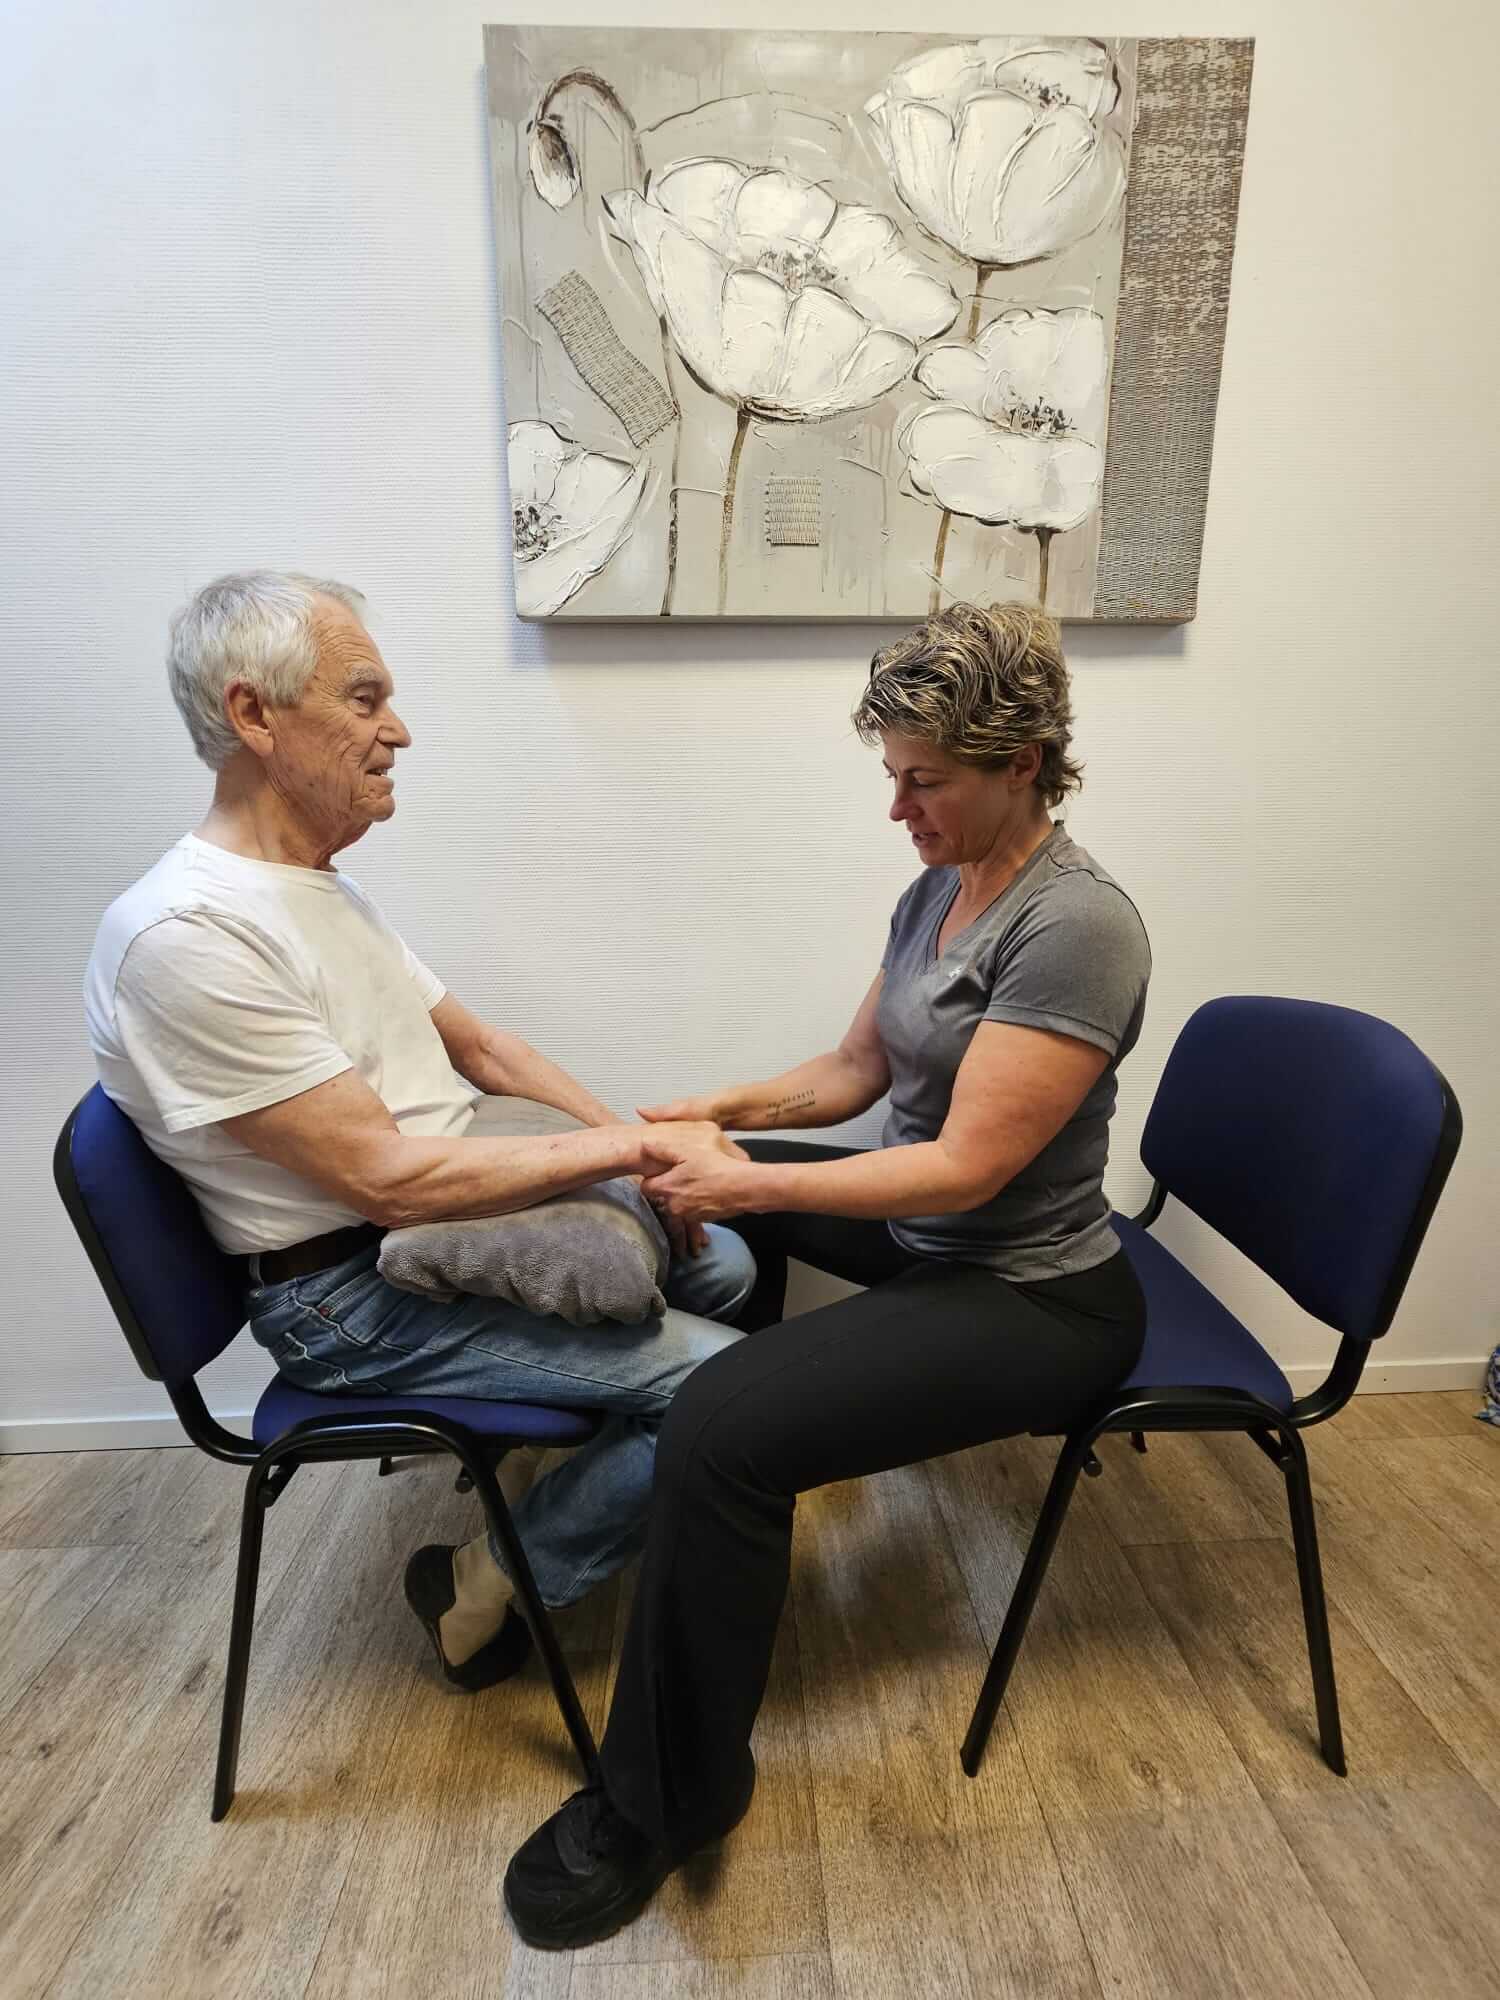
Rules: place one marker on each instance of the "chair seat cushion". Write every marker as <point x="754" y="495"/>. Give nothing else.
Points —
<point x="1191" y="1339"/>
<point x="283" y="1404"/>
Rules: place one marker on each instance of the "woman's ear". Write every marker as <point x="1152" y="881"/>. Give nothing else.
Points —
<point x="1024" y="766"/>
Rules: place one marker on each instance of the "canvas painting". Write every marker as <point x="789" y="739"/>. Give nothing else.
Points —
<point x="816" y="325"/>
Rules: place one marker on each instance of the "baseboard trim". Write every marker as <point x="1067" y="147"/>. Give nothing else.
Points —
<point x="1392" y="1378"/>
<point x="1399" y="1378"/>
<point x="106" y="1433"/>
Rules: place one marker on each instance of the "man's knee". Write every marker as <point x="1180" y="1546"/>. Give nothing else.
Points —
<point x="717" y="1282"/>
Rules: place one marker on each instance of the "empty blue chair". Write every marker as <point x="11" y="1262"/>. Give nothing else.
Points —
<point x="180" y="1302"/>
<point x="1317" y="1141"/>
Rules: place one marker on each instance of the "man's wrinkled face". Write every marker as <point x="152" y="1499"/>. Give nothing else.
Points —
<point x="335" y="752"/>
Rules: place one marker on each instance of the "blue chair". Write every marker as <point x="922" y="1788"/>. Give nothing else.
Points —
<point x="1317" y="1141"/>
<point x="180" y="1302"/>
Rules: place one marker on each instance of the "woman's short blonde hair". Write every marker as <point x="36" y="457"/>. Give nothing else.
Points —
<point x="980" y="684"/>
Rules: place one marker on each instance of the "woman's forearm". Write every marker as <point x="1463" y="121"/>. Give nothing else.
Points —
<point x="877" y="1186"/>
<point x="824" y="1091"/>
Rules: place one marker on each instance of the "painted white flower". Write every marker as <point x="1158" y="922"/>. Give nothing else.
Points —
<point x="1014" y="437"/>
<point x="572" y="508"/>
<point x="782" y="300"/>
<point x="997" y="146"/>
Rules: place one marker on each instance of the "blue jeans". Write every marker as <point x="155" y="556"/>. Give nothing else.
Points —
<point x="345" y="1330"/>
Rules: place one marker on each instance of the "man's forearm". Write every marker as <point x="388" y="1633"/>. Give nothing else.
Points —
<point x="407" y="1181"/>
<point x="505" y="1066"/>
<point x="824" y="1091"/>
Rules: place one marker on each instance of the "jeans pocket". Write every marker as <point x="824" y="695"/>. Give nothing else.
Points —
<point x="352" y="1301"/>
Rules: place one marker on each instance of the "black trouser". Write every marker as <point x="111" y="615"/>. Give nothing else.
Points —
<point x="934" y="1357"/>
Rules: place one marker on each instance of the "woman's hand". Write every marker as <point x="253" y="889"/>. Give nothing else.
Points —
<point x="700" y="1185"/>
<point x="690" y="1110"/>
<point x="680" y="1139"/>
<point x="682" y="1241"/>
<point x="670" y="1144"/>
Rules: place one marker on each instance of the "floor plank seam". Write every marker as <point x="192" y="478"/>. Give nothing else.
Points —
<point x="1102" y="1985"/>
<point x="27" y="1685"/>
<point x="812" y="1789"/>
<point x="1187" y="1541"/>
<point x="127" y="1853"/>
<point x="1424" y="1507"/>
<point x="1004" y="1720"/>
<point x="1365" y="1991"/>
<point x="190" y="1734"/>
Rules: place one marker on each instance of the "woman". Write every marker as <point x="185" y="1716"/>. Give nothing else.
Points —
<point x="998" y="1298"/>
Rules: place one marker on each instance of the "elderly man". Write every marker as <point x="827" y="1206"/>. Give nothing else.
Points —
<point x="313" y="1083"/>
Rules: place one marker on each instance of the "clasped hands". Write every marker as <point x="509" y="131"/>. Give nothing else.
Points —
<point x="692" y="1172"/>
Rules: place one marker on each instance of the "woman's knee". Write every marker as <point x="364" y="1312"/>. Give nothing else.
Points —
<point x="716" y="1434"/>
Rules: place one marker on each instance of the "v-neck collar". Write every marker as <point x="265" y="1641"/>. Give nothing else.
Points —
<point x="934" y="956"/>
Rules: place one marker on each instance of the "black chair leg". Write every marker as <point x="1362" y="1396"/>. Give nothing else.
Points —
<point x="1138" y="1439"/>
<point x="538" y="1617"/>
<point x="386" y="1468"/>
<point x="252" y="1528"/>
<point x="1071" y="1461"/>
<point x="1314" y="1604"/>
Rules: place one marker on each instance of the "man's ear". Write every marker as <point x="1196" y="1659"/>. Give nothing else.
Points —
<point x="246" y="714"/>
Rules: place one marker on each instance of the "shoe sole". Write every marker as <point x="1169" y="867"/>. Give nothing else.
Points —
<point x="603" y="1924"/>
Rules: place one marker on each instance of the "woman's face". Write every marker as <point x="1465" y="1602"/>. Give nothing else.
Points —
<point x="955" y="812"/>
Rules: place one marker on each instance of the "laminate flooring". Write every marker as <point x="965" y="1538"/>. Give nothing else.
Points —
<point x="1152" y="1818"/>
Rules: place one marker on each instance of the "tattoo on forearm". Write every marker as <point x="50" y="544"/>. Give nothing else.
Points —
<point x="800" y="1100"/>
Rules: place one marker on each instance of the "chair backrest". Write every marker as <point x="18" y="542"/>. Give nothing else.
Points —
<point x="1316" y="1139"/>
<point x="178" y="1297"/>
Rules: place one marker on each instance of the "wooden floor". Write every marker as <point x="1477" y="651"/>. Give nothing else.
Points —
<point x="1152" y="1818"/>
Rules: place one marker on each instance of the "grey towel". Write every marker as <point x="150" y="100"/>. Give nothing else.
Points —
<point x="596" y="1254"/>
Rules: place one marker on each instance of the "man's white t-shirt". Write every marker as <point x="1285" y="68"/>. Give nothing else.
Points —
<point x="219" y="985"/>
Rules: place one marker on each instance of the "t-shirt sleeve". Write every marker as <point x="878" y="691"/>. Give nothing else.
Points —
<point x="216" y="1023"/>
<point x="1077" y="962"/>
<point x="427" y="983"/>
<point x="899" y="918"/>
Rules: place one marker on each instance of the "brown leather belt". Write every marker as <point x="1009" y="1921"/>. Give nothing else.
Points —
<point x="318" y="1253"/>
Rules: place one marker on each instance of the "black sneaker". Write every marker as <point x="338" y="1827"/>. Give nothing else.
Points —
<point x="588" y="1871"/>
<point x="430" y="1593"/>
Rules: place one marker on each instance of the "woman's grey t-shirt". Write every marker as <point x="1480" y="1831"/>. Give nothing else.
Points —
<point x="1063" y="948"/>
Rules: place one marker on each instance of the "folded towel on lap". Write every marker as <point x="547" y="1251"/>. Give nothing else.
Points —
<point x="596" y="1254"/>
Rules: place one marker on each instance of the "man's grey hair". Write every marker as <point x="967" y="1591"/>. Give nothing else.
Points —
<point x="255" y="626"/>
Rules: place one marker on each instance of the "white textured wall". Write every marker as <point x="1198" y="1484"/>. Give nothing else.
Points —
<point x="249" y="317"/>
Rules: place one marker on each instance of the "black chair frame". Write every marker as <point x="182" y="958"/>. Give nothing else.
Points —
<point x="1198" y="1408"/>
<point x="357" y="1435"/>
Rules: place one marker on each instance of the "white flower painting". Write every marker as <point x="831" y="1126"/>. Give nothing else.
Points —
<point x="804" y="325"/>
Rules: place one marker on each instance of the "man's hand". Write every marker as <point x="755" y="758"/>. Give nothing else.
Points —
<point x="685" y="1241"/>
